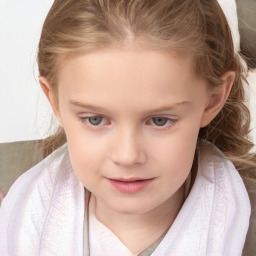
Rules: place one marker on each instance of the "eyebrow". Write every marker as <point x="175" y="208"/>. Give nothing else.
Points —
<point x="101" y="109"/>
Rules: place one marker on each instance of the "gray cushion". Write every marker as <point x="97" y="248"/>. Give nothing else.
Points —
<point x="246" y="10"/>
<point x="15" y="159"/>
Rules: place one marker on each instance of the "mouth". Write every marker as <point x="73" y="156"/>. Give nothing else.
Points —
<point x="131" y="185"/>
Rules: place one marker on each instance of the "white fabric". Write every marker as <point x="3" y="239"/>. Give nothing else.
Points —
<point x="215" y="217"/>
<point x="230" y="9"/>
<point x="43" y="214"/>
<point x="251" y="94"/>
<point x="102" y="240"/>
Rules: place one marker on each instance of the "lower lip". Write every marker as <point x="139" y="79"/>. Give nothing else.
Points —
<point x="131" y="186"/>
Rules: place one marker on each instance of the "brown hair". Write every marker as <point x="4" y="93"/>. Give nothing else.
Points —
<point x="77" y="26"/>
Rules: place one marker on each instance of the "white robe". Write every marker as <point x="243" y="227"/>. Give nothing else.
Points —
<point x="44" y="211"/>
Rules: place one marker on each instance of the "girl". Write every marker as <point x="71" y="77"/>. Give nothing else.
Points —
<point x="147" y="95"/>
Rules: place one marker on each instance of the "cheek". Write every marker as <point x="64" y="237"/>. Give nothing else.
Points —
<point x="176" y="152"/>
<point x="87" y="153"/>
<point x="86" y="163"/>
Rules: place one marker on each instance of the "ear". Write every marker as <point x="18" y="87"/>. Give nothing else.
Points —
<point x="217" y="98"/>
<point x="48" y="91"/>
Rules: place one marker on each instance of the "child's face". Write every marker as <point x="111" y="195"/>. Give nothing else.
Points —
<point x="131" y="115"/>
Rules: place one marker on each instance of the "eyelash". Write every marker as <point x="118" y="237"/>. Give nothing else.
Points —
<point x="170" y="121"/>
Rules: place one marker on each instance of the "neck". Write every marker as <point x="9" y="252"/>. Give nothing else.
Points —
<point x="138" y="231"/>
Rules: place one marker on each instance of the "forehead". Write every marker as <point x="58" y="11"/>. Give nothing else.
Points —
<point x="134" y="63"/>
<point x="123" y="74"/>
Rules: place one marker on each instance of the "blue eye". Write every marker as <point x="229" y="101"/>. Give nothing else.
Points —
<point x="160" y="121"/>
<point x="94" y="120"/>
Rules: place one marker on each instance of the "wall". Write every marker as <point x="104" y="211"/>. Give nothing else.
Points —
<point x="24" y="112"/>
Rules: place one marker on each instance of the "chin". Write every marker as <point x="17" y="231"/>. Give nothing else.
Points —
<point x="132" y="207"/>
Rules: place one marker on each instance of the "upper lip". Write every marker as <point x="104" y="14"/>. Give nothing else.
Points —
<point x="130" y="179"/>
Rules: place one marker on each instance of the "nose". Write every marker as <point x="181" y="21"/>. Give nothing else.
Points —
<point x="128" y="149"/>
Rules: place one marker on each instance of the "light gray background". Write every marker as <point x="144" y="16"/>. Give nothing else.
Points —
<point x="24" y="112"/>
